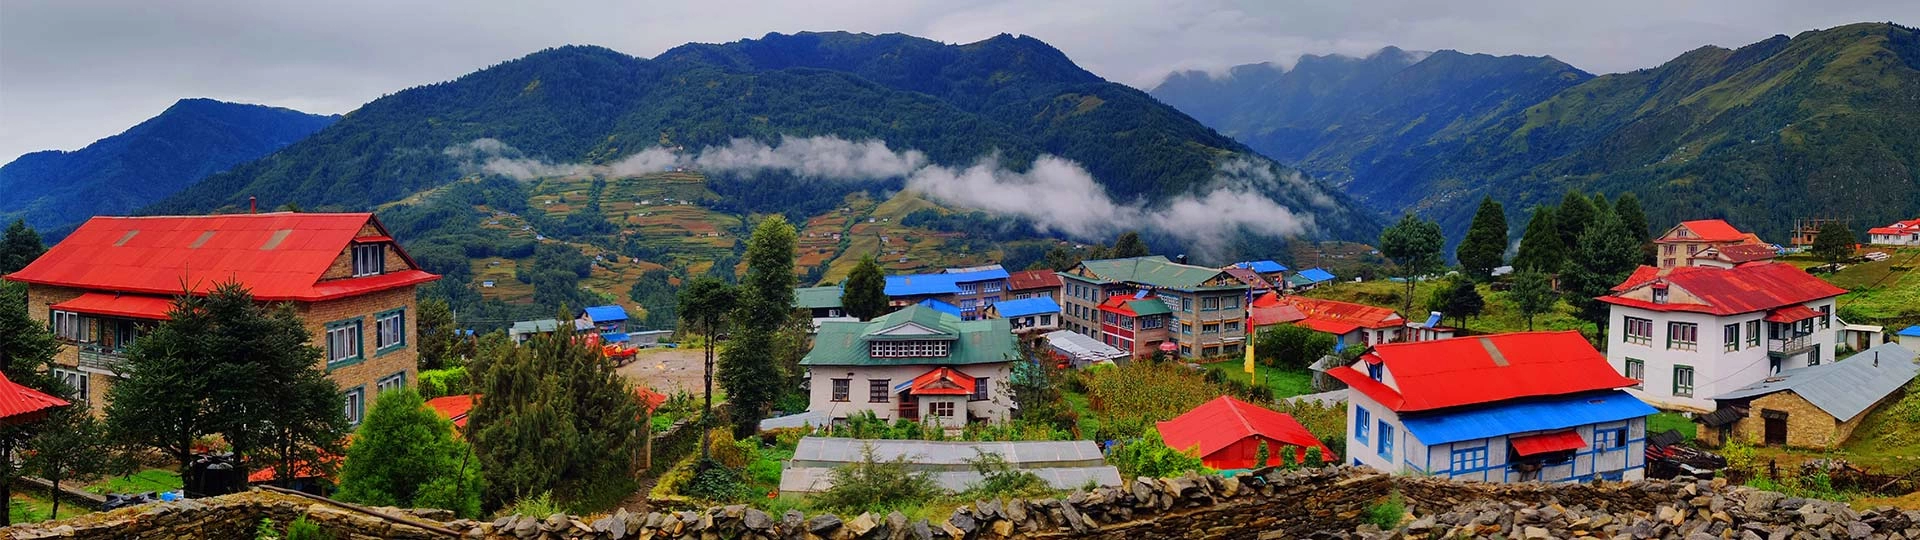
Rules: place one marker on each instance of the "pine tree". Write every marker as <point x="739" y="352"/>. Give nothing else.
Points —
<point x="1128" y="245"/>
<point x="1540" y="247"/>
<point x="705" y="305"/>
<point x="748" y="368"/>
<point x="1635" y="219"/>
<point x="1573" y="217"/>
<point x="435" y="329"/>
<point x="1834" y="242"/>
<point x="71" y="447"/>
<point x="1532" y="294"/>
<point x="1414" y="246"/>
<point x="19" y="247"/>
<point x="1485" y="246"/>
<point x="1464" y="301"/>
<point x="406" y="455"/>
<point x="865" y="295"/>
<point x="1605" y="256"/>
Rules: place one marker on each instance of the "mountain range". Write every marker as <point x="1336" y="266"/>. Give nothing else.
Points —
<point x="1822" y="124"/>
<point x="54" y="190"/>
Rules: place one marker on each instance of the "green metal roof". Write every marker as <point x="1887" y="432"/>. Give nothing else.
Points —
<point x="817" y="297"/>
<point x="1154" y="270"/>
<point x="1150" y="306"/>
<point x="984" y="341"/>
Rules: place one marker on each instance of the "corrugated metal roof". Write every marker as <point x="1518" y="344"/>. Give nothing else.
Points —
<point x="817" y="297"/>
<point x="1262" y="266"/>
<point x="19" y="404"/>
<point x="982" y="341"/>
<point x="1731" y="291"/>
<point x="1711" y="230"/>
<point x="1330" y="315"/>
<point x="1149" y="306"/>
<point x="601" y="314"/>
<point x="1559" y="441"/>
<point x="1790" y="314"/>
<point x="1524" y="416"/>
<point x="534" y="327"/>
<point x="1080" y="346"/>
<point x="942" y="381"/>
<point x="1153" y="270"/>
<point x="119" y="305"/>
<point x="947" y="282"/>
<point x="1911" y="331"/>
<point x="1472" y="370"/>
<point x="455" y="408"/>
<point x="1021" y="307"/>
<point x="1219" y="423"/>
<point x="1033" y="279"/>
<point x="1843" y="389"/>
<point x="940" y="306"/>
<point x="1316" y="275"/>
<point x="278" y="256"/>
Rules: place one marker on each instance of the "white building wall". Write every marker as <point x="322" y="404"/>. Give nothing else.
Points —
<point x="1366" y="451"/>
<point x="1626" y="462"/>
<point x="820" y="392"/>
<point x="1715" y="370"/>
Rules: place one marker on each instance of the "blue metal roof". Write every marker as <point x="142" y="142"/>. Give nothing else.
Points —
<point x="1264" y="266"/>
<point x="942" y="307"/>
<point x="1027" y="306"/>
<point x="979" y="275"/>
<point x="614" y="337"/>
<point x="1913" y="331"/>
<point x="942" y="283"/>
<point x="1519" y="417"/>
<point x="602" y="314"/>
<point x="1317" y="275"/>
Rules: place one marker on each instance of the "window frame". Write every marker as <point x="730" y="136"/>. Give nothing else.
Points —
<point x="942" y="409"/>
<point x="1627" y="334"/>
<point x="1468" y="459"/>
<point x="356" y="404"/>
<point x="368" y="259"/>
<point x="358" y="334"/>
<point x="840" y="391"/>
<point x="1362" y="419"/>
<point x="398" y="380"/>
<point x="879" y="390"/>
<point x="1677" y="370"/>
<point x="980" y="389"/>
<point x="1385" y="443"/>
<point x="1635" y="366"/>
<point x="1730" y="336"/>
<point x="1609" y="439"/>
<point x="1674" y="337"/>
<point x="69" y="376"/>
<point x="400" y="316"/>
<point x="1753" y="333"/>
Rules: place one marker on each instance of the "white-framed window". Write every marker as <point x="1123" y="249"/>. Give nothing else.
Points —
<point x="72" y="326"/>
<point x="1609" y="439"/>
<point x="1753" y="333"/>
<point x="369" y="259"/>
<point x="1826" y="317"/>
<point x="991" y="286"/>
<point x="1469" y="459"/>
<point x="1152" y="322"/>
<point x="356" y="406"/>
<point x="1731" y="333"/>
<point x="75" y="381"/>
<point x="1683" y="336"/>
<point x="909" y="349"/>
<point x="1210" y="328"/>
<point x="390" y="329"/>
<point x="969" y="288"/>
<point x="1210" y="304"/>
<point x="391" y="382"/>
<point x="942" y="409"/>
<point x="1230" y="326"/>
<point x="1638" y="331"/>
<point x="1636" y="370"/>
<point x="343" y="341"/>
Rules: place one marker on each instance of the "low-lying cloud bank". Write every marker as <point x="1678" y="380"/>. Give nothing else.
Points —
<point x="1056" y="194"/>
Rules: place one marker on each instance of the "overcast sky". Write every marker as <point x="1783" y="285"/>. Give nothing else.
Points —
<point x="72" y="71"/>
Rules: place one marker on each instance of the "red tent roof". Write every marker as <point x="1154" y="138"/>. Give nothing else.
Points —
<point x="1033" y="279"/>
<point x="455" y="408"/>
<point x="1347" y="314"/>
<point x="1730" y="291"/>
<point x="1793" y="313"/>
<point x="943" y="381"/>
<point x="1219" y="423"/>
<point x="1558" y="441"/>
<point x="1712" y="230"/>
<point x="279" y="256"/>
<point x="19" y="404"/>
<point x="1482" y="369"/>
<point x="119" y="305"/>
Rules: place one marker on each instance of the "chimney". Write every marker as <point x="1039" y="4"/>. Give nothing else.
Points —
<point x="1181" y="258"/>
<point x="253" y="205"/>
<point x="1876" y="358"/>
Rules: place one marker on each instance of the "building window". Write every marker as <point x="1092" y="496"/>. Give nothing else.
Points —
<point x="71" y="326"/>
<point x="991" y="286"/>
<point x="908" y="349"/>
<point x="1683" y="336"/>
<point x="1231" y="302"/>
<point x="1732" y="334"/>
<point x="1376" y="370"/>
<point x="369" y="259"/>
<point x="1753" y="333"/>
<point x="1683" y="381"/>
<point x="969" y="288"/>
<point x="1826" y="317"/>
<point x="1638" y="330"/>
<point x="75" y="380"/>
<point x="390" y="330"/>
<point x="1152" y="322"/>
<point x="1813" y="356"/>
<point x="1230" y="326"/>
<point x="1636" y="370"/>
<point x="1469" y="459"/>
<point x="391" y="382"/>
<point x="966" y="304"/>
<point x="1210" y="304"/>
<point x="356" y="405"/>
<point x="878" y="390"/>
<point x="1609" y="439"/>
<point x="343" y="342"/>
<point x="1659" y="296"/>
<point x="1046" y="320"/>
<point x="979" y="389"/>
<point x="842" y="387"/>
<point x="1186" y="329"/>
<point x="1361" y="419"/>
<point x="1186" y="304"/>
<point x="1386" y="440"/>
<point x="943" y="409"/>
<point x="1210" y="328"/>
<point x="988" y="301"/>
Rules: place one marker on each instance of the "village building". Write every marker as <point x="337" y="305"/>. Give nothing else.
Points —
<point x="1900" y="233"/>
<point x="1729" y="256"/>
<point x="610" y="322"/>
<point x="1358" y="325"/>
<point x="1678" y="246"/>
<point x="970" y="289"/>
<point x="1205" y="304"/>
<point x="1261" y="276"/>
<point x="1071" y="349"/>
<point x="1909" y="335"/>
<point x="113" y="279"/>
<point x="1269" y="310"/>
<point x="521" y="331"/>
<point x="822" y="304"/>
<point x="1226" y="434"/>
<point x="1770" y="317"/>
<point x="1030" y="317"/>
<point x="1033" y="284"/>
<point x="942" y="307"/>
<point x="916" y="364"/>
<point x="1307" y="280"/>
<point x="1811" y="407"/>
<point x="1525" y="406"/>
<point x="1137" y="324"/>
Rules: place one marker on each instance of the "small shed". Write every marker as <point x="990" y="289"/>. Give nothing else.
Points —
<point x="521" y="331"/>
<point x="1226" y="433"/>
<point x="1911" y="332"/>
<point x="1812" y="407"/>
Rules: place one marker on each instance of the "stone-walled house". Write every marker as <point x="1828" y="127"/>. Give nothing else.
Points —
<point x="113" y="279"/>
<point x="1811" y="407"/>
<point x="917" y="364"/>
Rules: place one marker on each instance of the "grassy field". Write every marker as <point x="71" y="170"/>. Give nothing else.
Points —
<point x="1882" y="292"/>
<point x="1661" y="422"/>
<point x="1500" y="315"/>
<point x="29" y="509"/>
<point x="139" y="482"/>
<point x="1285" y="383"/>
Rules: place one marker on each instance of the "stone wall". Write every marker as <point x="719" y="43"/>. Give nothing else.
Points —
<point x="229" y="516"/>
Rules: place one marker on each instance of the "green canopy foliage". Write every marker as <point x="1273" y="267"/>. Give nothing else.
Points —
<point x="406" y="455"/>
<point x="1291" y="346"/>
<point x="19" y="247"/>
<point x="1485" y="245"/>
<point x="1540" y="246"/>
<point x="865" y="294"/>
<point x="1414" y="245"/>
<point x="1834" y="242"/>
<point x="749" y="368"/>
<point x="1604" y="257"/>
<point x="1532" y="293"/>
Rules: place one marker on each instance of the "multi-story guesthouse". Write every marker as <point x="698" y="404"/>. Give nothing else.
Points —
<point x="917" y="364"/>
<point x="1033" y="284"/>
<point x="970" y="289"/>
<point x="1206" y="304"/>
<point x="1729" y="256"/>
<point x="1029" y="317"/>
<point x="1901" y="233"/>
<point x="1526" y="406"/>
<point x="1137" y="324"/>
<point x="1677" y="247"/>
<point x="1769" y="317"/>
<point x="112" y="280"/>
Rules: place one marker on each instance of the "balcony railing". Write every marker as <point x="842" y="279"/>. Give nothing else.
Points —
<point x="1793" y="345"/>
<point x="94" y="356"/>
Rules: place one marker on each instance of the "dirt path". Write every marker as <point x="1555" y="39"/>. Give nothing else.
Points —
<point x="666" y="370"/>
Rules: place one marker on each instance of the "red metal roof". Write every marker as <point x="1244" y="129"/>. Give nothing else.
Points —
<point x="1266" y="316"/>
<point x="1482" y="369"/>
<point x="1709" y="230"/>
<point x="1033" y="279"/>
<point x="1218" y="424"/>
<point x="1118" y="304"/>
<point x="119" y="305"/>
<point x="19" y="404"/>
<point x="455" y="408"/>
<point x="651" y="399"/>
<point x="1743" y="253"/>
<point x="1329" y="312"/>
<point x="279" y="256"/>
<point x="1558" y="441"/>
<point x="1730" y="291"/>
<point x="1329" y="326"/>
<point x="1899" y="227"/>
<point x="1640" y="276"/>
<point x="1270" y="299"/>
<point x="943" y="381"/>
<point x="1793" y="313"/>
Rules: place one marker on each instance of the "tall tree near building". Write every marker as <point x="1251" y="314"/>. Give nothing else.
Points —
<point x="436" y="333"/>
<point x="1485" y="245"/>
<point x="705" y="305"/>
<point x="748" y="368"/>
<point x="1128" y="245"/>
<point x="1573" y="217"/>
<point x="406" y="455"/>
<point x="20" y="246"/>
<point x="865" y="296"/>
<point x="1635" y="219"/>
<point x="1540" y="246"/>
<point x="1058" y="259"/>
<point x="1834" y="242"/>
<point x="1605" y="256"/>
<point x="26" y="356"/>
<point x="1532" y="294"/>
<point x="223" y="363"/>
<point x="71" y="448"/>
<point x="1414" y="246"/>
<point x="1464" y="301"/>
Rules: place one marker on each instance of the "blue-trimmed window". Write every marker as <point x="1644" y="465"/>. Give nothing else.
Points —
<point x="1609" y="439"/>
<point x="343" y="342"/>
<point x="1386" y="440"/>
<point x="1469" y="459"/>
<point x="1376" y="370"/>
<point x="1361" y="419"/>
<point x="390" y="330"/>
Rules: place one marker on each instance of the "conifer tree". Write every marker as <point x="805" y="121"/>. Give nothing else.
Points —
<point x="1532" y="294"/>
<point x="20" y="246"/>
<point x="1834" y="242"/>
<point x="705" y="305"/>
<point x="435" y="327"/>
<point x="26" y="356"/>
<point x="1485" y="246"/>
<point x="555" y="416"/>
<point x="1540" y="247"/>
<point x="1635" y="219"/>
<point x="749" y="367"/>
<point x="865" y="295"/>
<point x="1572" y="217"/>
<point x="1605" y="256"/>
<point x="1128" y="245"/>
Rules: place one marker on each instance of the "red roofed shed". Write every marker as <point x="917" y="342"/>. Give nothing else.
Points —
<point x="1227" y="433"/>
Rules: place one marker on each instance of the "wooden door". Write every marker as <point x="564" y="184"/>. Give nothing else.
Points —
<point x="1776" y="426"/>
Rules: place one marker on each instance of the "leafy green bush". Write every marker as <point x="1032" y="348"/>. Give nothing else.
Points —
<point x="1150" y="456"/>
<point x="1388" y="513"/>
<point x="539" y="506"/>
<point x="715" y="481"/>
<point x="873" y="485"/>
<point x="443" y="382"/>
<point x="1000" y="479"/>
<point x="301" y="529"/>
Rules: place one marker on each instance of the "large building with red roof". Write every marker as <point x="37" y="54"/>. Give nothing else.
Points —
<point x="1350" y="324"/>
<point x="1677" y="247"/>
<point x="112" y="280"/>
<point x="1900" y="233"/>
<point x="1691" y="333"/>
<point x="1524" y="406"/>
